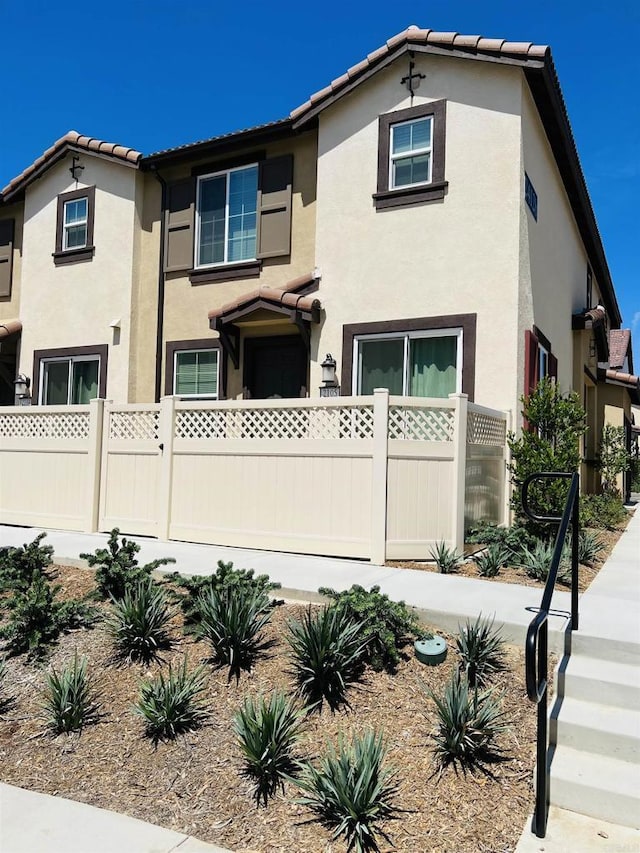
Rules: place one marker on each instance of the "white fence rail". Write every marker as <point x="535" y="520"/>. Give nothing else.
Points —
<point x="373" y="477"/>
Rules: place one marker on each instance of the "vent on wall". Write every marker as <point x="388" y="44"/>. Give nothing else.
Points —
<point x="530" y="196"/>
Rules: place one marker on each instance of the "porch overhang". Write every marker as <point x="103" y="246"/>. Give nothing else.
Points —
<point x="10" y="327"/>
<point x="624" y="380"/>
<point x="594" y="319"/>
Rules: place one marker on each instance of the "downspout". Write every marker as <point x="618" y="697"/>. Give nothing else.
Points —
<point x="160" y="316"/>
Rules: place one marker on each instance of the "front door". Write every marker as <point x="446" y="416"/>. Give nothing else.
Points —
<point x="275" y="367"/>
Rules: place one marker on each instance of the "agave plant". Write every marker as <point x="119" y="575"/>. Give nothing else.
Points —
<point x="170" y="706"/>
<point x="481" y="650"/>
<point x="139" y="624"/>
<point x="328" y="652"/>
<point x="537" y="561"/>
<point x="352" y="791"/>
<point x="70" y="699"/>
<point x="446" y="559"/>
<point x="590" y="546"/>
<point x="267" y="731"/>
<point x="490" y="562"/>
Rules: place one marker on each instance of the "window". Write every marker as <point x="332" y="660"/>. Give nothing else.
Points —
<point x="589" y="287"/>
<point x="69" y="380"/>
<point x="227" y="217"/>
<point x="196" y="373"/>
<point x="74" y="231"/>
<point x="530" y="196"/>
<point x="411" y="149"/>
<point x="416" y="364"/>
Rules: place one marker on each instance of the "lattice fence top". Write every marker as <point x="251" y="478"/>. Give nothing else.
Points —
<point x="428" y="424"/>
<point x="486" y="429"/>
<point x="45" y="425"/>
<point x="134" y="426"/>
<point x="308" y="422"/>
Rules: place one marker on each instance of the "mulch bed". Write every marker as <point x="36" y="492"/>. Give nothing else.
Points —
<point x="195" y="784"/>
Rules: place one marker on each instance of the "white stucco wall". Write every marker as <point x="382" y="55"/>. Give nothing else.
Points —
<point x="72" y="305"/>
<point x="458" y="255"/>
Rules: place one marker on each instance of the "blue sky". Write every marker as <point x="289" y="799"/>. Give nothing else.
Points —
<point x="156" y="73"/>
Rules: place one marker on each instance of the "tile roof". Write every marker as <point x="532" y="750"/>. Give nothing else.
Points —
<point x="72" y="141"/>
<point x="624" y="378"/>
<point x="619" y="340"/>
<point x="286" y="296"/>
<point x="282" y="122"/>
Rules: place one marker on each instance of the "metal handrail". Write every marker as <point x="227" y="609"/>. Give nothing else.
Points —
<point x="536" y="644"/>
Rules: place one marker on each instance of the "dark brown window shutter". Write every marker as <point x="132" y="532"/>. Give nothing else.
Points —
<point x="179" y="225"/>
<point x="553" y="366"/>
<point x="531" y="362"/>
<point x="274" y="207"/>
<point x="6" y="255"/>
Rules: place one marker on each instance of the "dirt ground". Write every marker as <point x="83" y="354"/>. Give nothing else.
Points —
<point x="195" y="784"/>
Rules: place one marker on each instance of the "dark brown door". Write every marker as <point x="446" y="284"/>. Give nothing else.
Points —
<point x="275" y="367"/>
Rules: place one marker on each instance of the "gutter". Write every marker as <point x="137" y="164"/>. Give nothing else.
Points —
<point x="160" y="314"/>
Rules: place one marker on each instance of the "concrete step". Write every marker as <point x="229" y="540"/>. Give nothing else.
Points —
<point x="614" y="641"/>
<point x="603" y="788"/>
<point x="600" y="729"/>
<point x="602" y="681"/>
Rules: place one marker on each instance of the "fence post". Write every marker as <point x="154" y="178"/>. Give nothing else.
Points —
<point x="460" y="413"/>
<point x="506" y="483"/>
<point x="166" y="432"/>
<point x="94" y="465"/>
<point x="379" y="475"/>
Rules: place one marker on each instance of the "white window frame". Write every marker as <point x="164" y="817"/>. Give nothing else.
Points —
<point x="415" y="152"/>
<point x="455" y="332"/>
<point x="70" y="360"/>
<point x="67" y="225"/>
<point x="178" y="352"/>
<point x="543" y="362"/>
<point x="201" y="178"/>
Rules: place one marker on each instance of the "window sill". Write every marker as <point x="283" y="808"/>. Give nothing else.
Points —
<point x="72" y="256"/>
<point x="412" y="195"/>
<point x="228" y="272"/>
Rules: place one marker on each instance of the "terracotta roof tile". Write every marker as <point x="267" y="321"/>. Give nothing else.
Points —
<point x="619" y="340"/>
<point x="286" y="295"/>
<point x="624" y="378"/>
<point x="466" y="41"/>
<point x="440" y="38"/>
<point x="9" y="327"/>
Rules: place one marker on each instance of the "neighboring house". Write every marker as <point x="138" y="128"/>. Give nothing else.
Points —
<point x="424" y="218"/>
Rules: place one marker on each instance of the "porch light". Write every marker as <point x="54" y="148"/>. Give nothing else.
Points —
<point x="21" y="386"/>
<point x="329" y="370"/>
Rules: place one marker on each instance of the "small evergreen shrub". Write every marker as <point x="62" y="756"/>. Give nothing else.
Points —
<point x="481" y="650"/>
<point x="492" y="560"/>
<point x="386" y="625"/>
<point x="231" y="619"/>
<point x="613" y="459"/>
<point x="19" y="566"/>
<point x="352" y="792"/>
<point x="327" y="655"/>
<point x="601" y="511"/>
<point x="511" y="539"/>
<point x="537" y="562"/>
<point x="171" y="706"/>
<point x="267" y="732"/>
<point x="117" y="566"/>
<point x="139" y="622"/>
<point x="446" y="559"/>
<point x="70" y="699"/>
<point x="467" y="724"/>
<point x="590" y="546"/>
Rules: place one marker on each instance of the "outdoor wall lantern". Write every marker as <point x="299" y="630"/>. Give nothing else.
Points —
<point x="21" y="386"/>
<point x="330" y="388"/>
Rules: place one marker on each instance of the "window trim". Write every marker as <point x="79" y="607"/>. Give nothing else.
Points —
<point x="385" y="328"/>
<point x="414" y="152"/>
<point x="197" y="267"/>
<point x="589" y="287"/>
<point x="86" y="252"/>
<point x="68" y="225"/>
<point x="100" y="351"/>
<point x="173" y="347"/>
<point x="175" y="374"/>
<point x="387" y="196"/>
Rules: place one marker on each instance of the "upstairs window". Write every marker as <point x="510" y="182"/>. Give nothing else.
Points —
<point x="226" y="217"/>
<point x="410" y="155"/>
<point x="74" y="228"/>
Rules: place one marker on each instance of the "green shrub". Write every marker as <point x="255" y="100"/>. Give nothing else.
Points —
<point x="231" y="619"/>
<point x="537" y="561"/>
<point x="170" y="706"/>
<point x="467" y="723"/>
<point x="70" y="699"/>
<point x="117" y="566"/>
<point x="481" y="650"/>
<point x="446" y="559"/>
<point x="6" y="700"/>
<point x="139" y="623"/>
<point x="601" y="511"/>
<point x="387" y="625"/>
<point x="613" y="458"/>
<point x="511" y="539"/>
<point x="19" y="566"/>
<point x="351" y="791"/>
<point x="490" y="562"/>
<point x="224" y="577"/>
<point x="267" y="733"/>
<point x="328" y="655"/>
<point x="590" y="546"/>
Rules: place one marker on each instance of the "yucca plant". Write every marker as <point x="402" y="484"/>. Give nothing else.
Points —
<point x="70" y="698"/>
<point x="536" y="561"/>
<point x="446" y="559"/>
<point x="139" y="623"/>
<point x="590" y="546"/>
<point x="467" y="724"/>
<point x="267" y="732"/>
<point x="328" y="653"/>
<point x="352" y="791"/>
<point x="170" y="705"/>
<point x="490" y="562"/>
<point x="481" y="650"/>
<point x="231" y="619"/>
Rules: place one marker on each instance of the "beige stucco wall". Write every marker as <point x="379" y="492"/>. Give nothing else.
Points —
<point x="73" y="304"/>
<point x="459" y="255"/>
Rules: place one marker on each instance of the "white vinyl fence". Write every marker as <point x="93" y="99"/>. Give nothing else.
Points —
<point x="374" y="477"/>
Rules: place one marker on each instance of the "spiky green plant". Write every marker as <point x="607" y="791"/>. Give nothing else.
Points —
<point x="19" y="566"/>
<point x="327" y="655"/>
<point x="446" y="559"/>
<point x="117" y="566"/>
<point x="590" y="546"/>
<point x="467" y="724"/>
<point x="6" y="701"/>
<point x="267" y="732"/>
<point x="351" y="791"/>
<point x="537" y="561"/>
<point x="481" y="650"/>
<point x="170" y="706"/>
<point x="70" y="698"/>
<point x="139" y="622"/>
<point x="490" y="562"/>
<point x="232" y="619"/>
